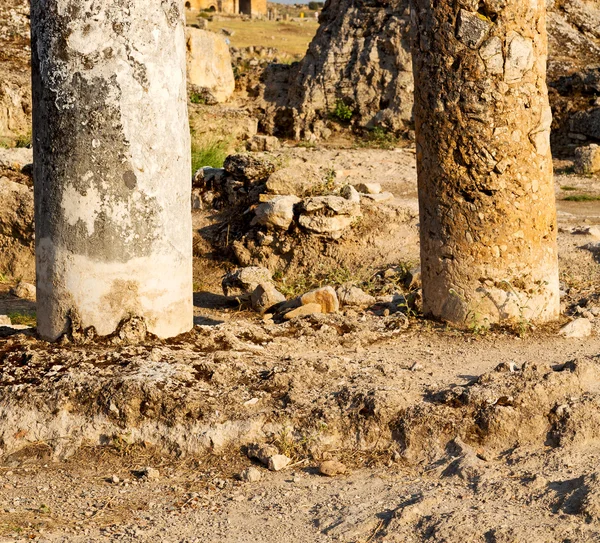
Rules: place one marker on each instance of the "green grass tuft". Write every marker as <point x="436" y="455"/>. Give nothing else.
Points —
<point x="27" y="318"/>
<point x="209" y="153"/>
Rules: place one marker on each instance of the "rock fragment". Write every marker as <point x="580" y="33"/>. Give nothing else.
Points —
<point x="326" y="297"/>
<point x="25" y="291"/>
<point x="264" y="297"/>
<point x="277" y="213"/>
<point x="587" y="159"/>
<point x="278" y="462"/>
<point x="251" y="475"/>
<point x="353" y="296"/>
<point x="368" y="188"/>
<point x="577" y="328"/>
<point x="260" y="143"/>
<point x="332" y="468"/>
<point x="248" y="167"/>
<point x="245" y="280"/>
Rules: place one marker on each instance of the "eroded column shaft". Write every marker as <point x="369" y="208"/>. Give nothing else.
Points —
<point x="486" y="197"/>
<point x="112" y="165"/>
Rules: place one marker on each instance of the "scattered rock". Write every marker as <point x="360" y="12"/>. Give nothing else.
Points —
<point x="303" y="311"/>
<point x="248" y="167"/>
<point x="262" y="453"/>
<point x="25" y="291"/>
<point x="328" y="215"/>
<point x="331" y="468"/>
<point x="351" y="295"/>
<point x="251" y="475"/>
<point x="114" y="480"/>
<point x="325" y="297"/>
<point x="413" y="278"/>
<point x="260" y="143"/>
<point x="276" y="213"/>
<point x="576" y="329"/>
<point x="245" y="280"/>
<point x="132" y="331"/>
<point x="151" y="474"/>
<point x="264" y="297"/>
<point x="278" y="462"/>
<point x="209" y="65"/>
<point x="587" y="159"/>
<point x="368" y="188"/>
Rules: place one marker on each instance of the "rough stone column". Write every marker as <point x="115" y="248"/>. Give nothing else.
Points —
<point x="112" y="165"/>
<point x="488" y="219"/>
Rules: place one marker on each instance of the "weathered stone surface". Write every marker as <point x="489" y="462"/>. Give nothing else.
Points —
<point x="297" y="179"/>
<point x="380" y="198"/>
<point x="326" y="297"/>
<point x="577" y="328"/>
<point x="486" y="195"/>
<point x="209" y="63"/>
<point x="277" y="213"/>
<point x="472" y="28"/>
<point x="245" y="280"/>
<point x="5" y="320"/>
<point x="16" y="230"/>
<point x="264" y="297"/>
<point x="351" y="295"/>
<point x="112" y="165"/>
<point x="248" y="167"/>
<point x="303" y="311"/>
<point x="262" y="453"/>
<point x="587" y="159"/>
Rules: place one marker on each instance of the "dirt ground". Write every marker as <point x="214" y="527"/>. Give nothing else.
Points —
<point x="448" y="436"/>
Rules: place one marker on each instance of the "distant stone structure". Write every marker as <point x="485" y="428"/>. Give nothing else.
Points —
<point x="111" y="142"/>
<point x="486" y="193"/>
<point x="254" y="8"/>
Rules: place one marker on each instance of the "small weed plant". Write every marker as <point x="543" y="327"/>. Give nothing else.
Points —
<point x="342" y="112"/>
<point x="209" y="153"/>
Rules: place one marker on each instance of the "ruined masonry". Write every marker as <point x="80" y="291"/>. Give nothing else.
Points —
<point x="112" y="165"/>
<point x="488" y="219"/>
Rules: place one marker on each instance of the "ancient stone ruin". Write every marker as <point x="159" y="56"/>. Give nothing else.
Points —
<point x="486" y="194"/>
<point x="112" y="166"/>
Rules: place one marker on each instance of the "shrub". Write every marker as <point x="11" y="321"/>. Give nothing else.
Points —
<point x="342" y="112"/>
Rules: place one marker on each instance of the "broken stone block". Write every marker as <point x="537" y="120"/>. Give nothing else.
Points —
<point x="25" y="291"/>
<point x="587" y="159"/>
<point x="577" y="328"/>
<point x="277" y="213"/>
<point x="353" y="296"/>
<point x="278" y="462"/>
<point x="325" y="297"/>
<point x="209" y="65"/>
<point x="245" y="280"/>
<point x="262" y="453"/>
<point x="264" y="297"/>
<point x="248" y="167"/>
<point x="350" y="193"/>
<point x="328" y="215"/>
<point x="332" y="468"/>
<point x="207" y="177"/>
